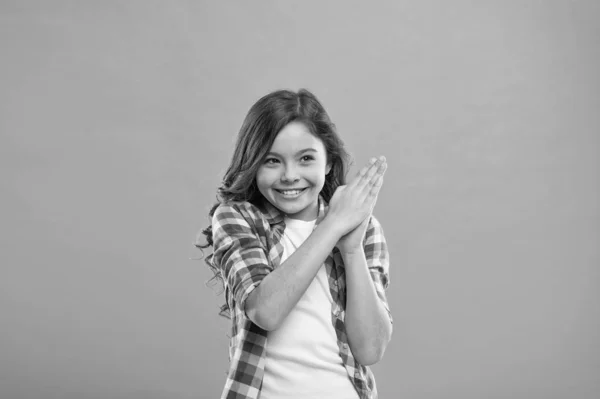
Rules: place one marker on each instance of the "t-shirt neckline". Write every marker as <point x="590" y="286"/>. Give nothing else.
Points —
<point x="297" y="223"/>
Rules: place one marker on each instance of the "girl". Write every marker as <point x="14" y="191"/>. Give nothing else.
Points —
<point x="303" y="262"/>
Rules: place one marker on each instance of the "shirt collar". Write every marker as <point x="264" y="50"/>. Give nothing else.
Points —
<point x="275" y="216"/>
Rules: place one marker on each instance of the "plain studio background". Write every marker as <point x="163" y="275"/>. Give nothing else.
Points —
<point x="117" y="123"/>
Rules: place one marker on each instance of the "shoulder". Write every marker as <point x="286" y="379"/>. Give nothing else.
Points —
<point x="375" y="222"/>
<point x="374" y="226"/>
<point x="375" y="245"/>
<point x="236" y="214"/>
<point x="374" y="241"/>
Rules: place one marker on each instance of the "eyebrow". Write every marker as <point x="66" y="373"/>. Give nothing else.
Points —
<point x="298" y="153"/>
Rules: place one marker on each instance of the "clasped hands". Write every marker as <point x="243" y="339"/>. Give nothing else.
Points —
<point x="352" y="205"/>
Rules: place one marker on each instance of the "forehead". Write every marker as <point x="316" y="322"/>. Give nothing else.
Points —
<point x="295" y="137"/>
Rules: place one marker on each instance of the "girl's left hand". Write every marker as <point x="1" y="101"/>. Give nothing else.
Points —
<point x="352" y="242"/>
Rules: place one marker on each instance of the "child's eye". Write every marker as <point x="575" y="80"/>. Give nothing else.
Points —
<point x="307" y="158"/>
<point x="271" y="161"/>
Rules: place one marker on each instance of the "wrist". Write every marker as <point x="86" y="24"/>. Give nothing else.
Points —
<point x="353" y="252"/>
<point x="332" y="226"/>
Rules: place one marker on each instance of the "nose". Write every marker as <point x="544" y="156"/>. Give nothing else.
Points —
<point x="290" y="174"/>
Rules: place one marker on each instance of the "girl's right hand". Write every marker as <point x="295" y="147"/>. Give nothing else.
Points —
<point x="351" y="204"/>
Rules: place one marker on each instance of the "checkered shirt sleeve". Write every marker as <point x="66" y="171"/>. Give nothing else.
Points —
<point x="238" y="251"/>
<point x="378" y="260"/>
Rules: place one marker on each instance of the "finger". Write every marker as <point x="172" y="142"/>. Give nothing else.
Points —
<point x="372" y="171"/>
<point x="360" y="175"/>
<point x="372" y="200"/>
<point x="379" y="173"/>
<point x="369" y="196"/>
<point x="368" y="167"/>
<point x="377" y="178"/>
<point x="366" y="181"/>
<point x="381" y="170"/>
<point x="374" y="190"/>
<point x="378" y="182"/>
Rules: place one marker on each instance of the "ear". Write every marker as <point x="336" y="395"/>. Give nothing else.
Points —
<point x="328" y="169"/>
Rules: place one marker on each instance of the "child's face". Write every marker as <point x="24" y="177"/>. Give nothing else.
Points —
<point x="296" y="161"/>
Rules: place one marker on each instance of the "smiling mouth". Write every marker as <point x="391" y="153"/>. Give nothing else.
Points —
<point x="291" y="192"/>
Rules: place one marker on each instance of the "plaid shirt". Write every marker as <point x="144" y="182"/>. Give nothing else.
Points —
<point x="247" y="247"/>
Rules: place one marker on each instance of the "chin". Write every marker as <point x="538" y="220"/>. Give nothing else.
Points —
<point x="295" y="208"/>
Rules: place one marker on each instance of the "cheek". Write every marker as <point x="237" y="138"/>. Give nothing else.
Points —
<point x="265" y="178"/>
<point x="317" y="176"/>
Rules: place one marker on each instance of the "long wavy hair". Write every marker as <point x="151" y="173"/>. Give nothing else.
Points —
<point x="264" y="121"/>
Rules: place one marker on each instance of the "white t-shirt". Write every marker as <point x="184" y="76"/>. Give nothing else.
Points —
<point x="302" y="356"/>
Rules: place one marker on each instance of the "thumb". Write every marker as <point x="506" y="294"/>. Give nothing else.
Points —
<point x="338" y="191"/>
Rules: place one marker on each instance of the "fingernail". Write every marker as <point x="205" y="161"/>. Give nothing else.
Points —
<point x="373" y="160"/>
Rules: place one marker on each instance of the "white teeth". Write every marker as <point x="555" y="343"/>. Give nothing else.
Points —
<point x="291" y="192"/>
